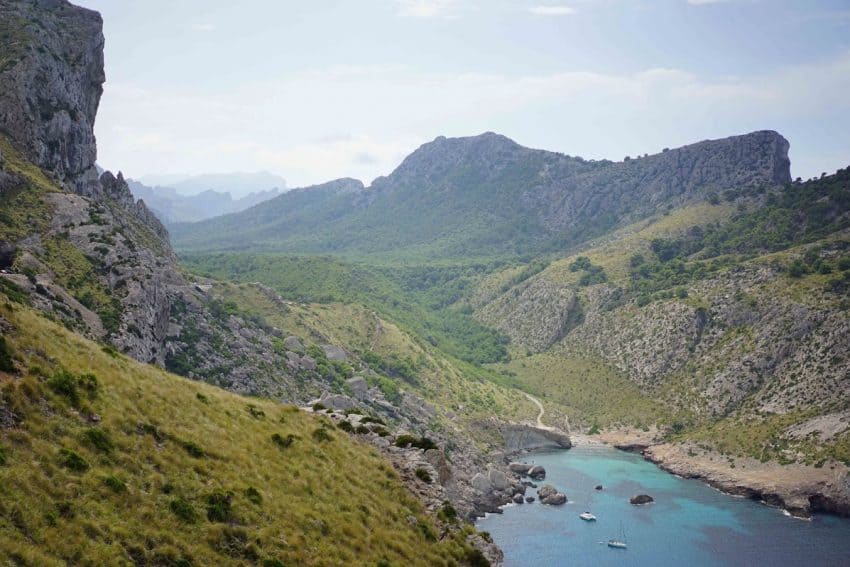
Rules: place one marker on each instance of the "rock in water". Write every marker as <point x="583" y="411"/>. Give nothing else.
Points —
<point x="598" y="487"/>
<point x="537" y="472"/>
<point x="548" y="494"/>
<point x="518" y="499"/>
<point x="641" y="499"/>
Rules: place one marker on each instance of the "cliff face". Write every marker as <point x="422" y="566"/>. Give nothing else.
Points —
<point x="51" y="77"/>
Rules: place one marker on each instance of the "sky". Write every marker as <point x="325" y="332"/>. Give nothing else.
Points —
<point x="321" y="89"/>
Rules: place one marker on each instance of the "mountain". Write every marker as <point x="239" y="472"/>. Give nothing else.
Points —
<point x="486" y="196"/>
<point x="238" y="184"/>
<point x="172" y="207"/>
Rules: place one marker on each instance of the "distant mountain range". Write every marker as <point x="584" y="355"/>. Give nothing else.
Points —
<point x="239" y="184"/>
<point x="172" y="206"/>
<point x="487" y="196"/>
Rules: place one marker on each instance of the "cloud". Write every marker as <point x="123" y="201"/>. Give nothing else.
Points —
<point x="552" y="10"/>
<point x="361" y="121"/>
<point x="427" y="8"/>
<point x="203" y="27"/>
<point x="705" y="2"/>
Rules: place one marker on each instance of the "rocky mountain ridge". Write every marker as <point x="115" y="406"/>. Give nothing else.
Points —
<point x="487" y="195"/>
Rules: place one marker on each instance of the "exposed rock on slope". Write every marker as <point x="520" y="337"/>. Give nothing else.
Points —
<point x="51" y="76"/>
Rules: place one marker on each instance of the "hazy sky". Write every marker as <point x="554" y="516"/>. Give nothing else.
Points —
<point x="315" y="90"/>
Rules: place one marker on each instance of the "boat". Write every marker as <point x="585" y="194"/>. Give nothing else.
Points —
<point x="619" y="543"/>
<point x="587" y="517"/>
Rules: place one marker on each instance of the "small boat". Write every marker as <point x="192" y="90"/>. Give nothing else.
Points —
<point x="587" y="517"/>
<point x="619" y="543"/>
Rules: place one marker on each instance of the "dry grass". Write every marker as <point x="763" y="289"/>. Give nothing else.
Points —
<point x="170" y="445"/>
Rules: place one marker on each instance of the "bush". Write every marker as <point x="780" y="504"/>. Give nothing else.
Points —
<point x="423" y="475"/>
<point x="283" y="442"/>
<point x="254" y="495"/>
<point x="202" y="398"/>
<point x="319" y="407"/>
<point x="346" y="426"/>
<point x="7" y="363"/>
<point x="3" y="458"/>
<point x="373" y="419"/>
<point x="183" y="509"/>
<point x="68" y="385"/>
<point x="98" y="438"/>
<point x="219" y="506"/>
<point x="71" y="460"/>
<point x="406" y="440"/>
<point x="115" y="484"/>
<point x="447" y="512"/>
<point x="321" y="434"/>
<point x="193" y="449"/>
<point x="362" y="430"/>
<point x="255" y="411"/>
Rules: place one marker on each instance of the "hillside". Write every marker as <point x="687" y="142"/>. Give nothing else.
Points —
<point x="107" y="461"/>
<point x="486" y="196"/>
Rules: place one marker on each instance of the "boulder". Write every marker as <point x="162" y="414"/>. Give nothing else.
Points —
<point x="498" y="479"/>
<point x="548" y="494"/>
<point x="334" y="352"/>
<point x="639" y="499"/>
<point x="359" y="387"/>
<point x="518" y="499"/>
<point x="537" y="472"/>
<point x="308" y="363"/>
<point x="293" y="343"/>
<point x="529" y="499"/>
<point x="598" y="487"/>
<point x="337" y="401"/>
<point x="481" y="483"/>
<point x="520" y="468"/>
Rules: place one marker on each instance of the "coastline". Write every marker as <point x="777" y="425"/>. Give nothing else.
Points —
<point x="800" y="490"/>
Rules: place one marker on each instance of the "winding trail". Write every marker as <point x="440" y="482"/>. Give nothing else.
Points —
<point x="535" y="401"/>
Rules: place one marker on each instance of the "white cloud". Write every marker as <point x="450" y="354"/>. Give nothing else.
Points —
<point x="361" y="121"/>
<point x="705" y="2"/>
<point x="203" y="27"/>
<point x="427" y="8"/>
<point x="552" y="10"/>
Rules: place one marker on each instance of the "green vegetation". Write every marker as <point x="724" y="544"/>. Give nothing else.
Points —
<point x="134" y="486"/>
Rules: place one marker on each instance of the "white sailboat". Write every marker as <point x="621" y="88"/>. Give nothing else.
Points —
<point x="619" y="543"/>
<point x="587" y="516"/>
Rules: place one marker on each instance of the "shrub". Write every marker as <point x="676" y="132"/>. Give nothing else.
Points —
<point x="319" y="407"/>
<point x="98" y="438"/>
<point x="67" y="385"/>
<point x="3" y="457"/>
<point x="423" y="475"/>
<point x="255" y="411"/>
<point x="474" y="558"/>
<point x="594" y="429"/>
<point x="346" y="426"/>
<point x="7" y="364"/>
<point x="447" y="512"/>
<point x="406" y="440"/>
<point x="283" y="442"/>
<point x="183" y="509"/>
<point x="321" y="434"/>
<point x="71" y="460"/>
<point x="115" y="484"/>
<point x="202" y="398"/>
<point x="273" y="563"/>
<point x="373" y="419"/>
<point x="362" y="430"/>
<point x="193" y="449"/>
<point x="253" y="495"/>
<point x="219" y="506"/>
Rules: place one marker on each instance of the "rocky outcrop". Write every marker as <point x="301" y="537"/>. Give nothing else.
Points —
<point x="548" y="494"/>
<point x="641" y="499"/>
<point x="51" y="77"/>
<point x="534" y="315"/>
<point x="520" y="437"/>
<point x="802" y="490"/>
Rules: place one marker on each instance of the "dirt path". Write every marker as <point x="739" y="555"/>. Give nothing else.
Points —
<point x="539" y="405"/>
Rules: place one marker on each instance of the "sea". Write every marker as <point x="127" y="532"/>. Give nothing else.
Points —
<point x="689" y="523"/>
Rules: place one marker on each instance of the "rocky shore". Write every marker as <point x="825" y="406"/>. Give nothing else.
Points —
<point x="801" y="490"/>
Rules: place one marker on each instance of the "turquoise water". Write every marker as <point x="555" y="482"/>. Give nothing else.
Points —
<point x="689" y="523"/>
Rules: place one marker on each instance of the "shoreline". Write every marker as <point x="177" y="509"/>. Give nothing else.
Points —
<point x="799" y="490"/>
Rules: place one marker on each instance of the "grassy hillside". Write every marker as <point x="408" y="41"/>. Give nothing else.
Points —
<point x="401" y="361"/>
<point x="105" y="461"/>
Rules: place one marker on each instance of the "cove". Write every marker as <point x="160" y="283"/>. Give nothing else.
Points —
<point x="689" y="523"/>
